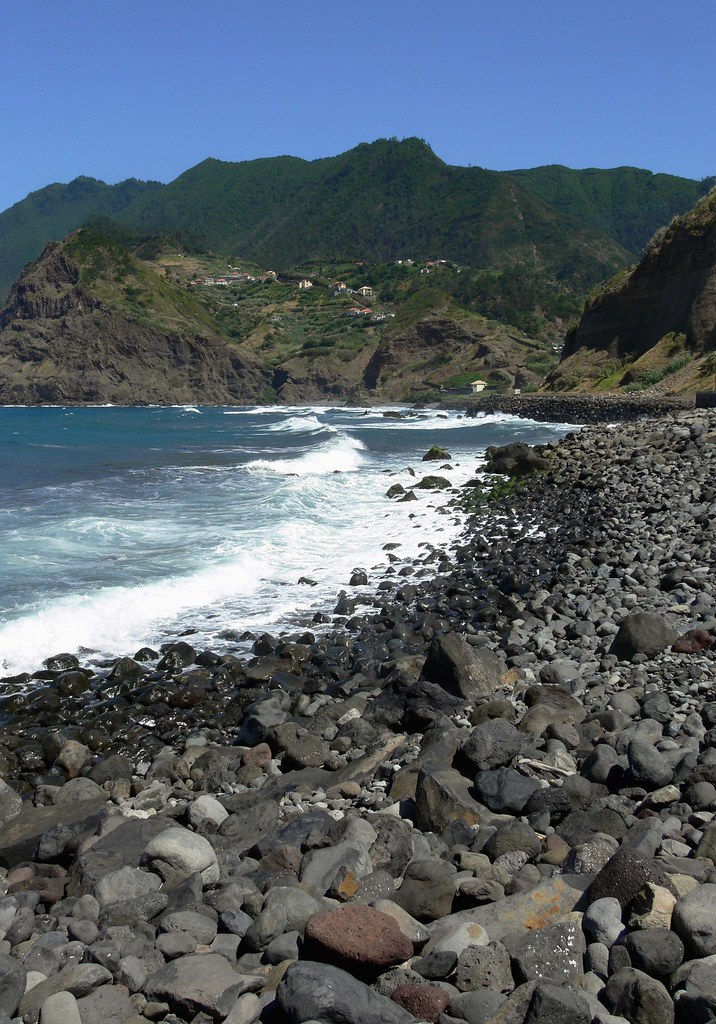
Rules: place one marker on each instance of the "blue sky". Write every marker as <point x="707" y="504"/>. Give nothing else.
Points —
<point x="147" y="88"/>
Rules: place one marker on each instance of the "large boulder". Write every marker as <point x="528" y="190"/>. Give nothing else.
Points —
<point x="61" y="1008"/>
<point x="311" y="991"/>
<point x="356" y="937"/>
<point x="515" y="459"/>
<point x="428" y="890"/>
<point x="484" y="967"/>
<point x="442" y="795"/>
<point x="491" y="744"/>
<point x="552" y="1004"/>
<point x="177" y="853"/>
<point x="425" y="1002"/>
<point x="694" y="920"/>
<point x="553" y="952"/>
<point x="642" y="633"/>
<point x="125" y="884"/>
<point x="197" y="983"/>
<point x="642" y="1000"/>
<point x="505" y="790"/>
<point x="108" y="1004"/>
<point x="462" y="670"/>
<point x="696" y="1002"/>
<point x="624" y="874"/>
<point x="319" y="867"/>
<point x="551" y="901"/>
<point x="436" y="454"/>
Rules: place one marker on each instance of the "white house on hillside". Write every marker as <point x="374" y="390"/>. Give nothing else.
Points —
<point x="477" y="386"/>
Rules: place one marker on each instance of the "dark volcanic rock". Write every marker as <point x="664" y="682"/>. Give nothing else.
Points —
<point x="505" y="790"/>
<point x="642" y="633"/>
<point x="311" y="991"/>
<point x="624" y="875"/>
<point x="461" y="669"/>
<point x="515" y="459"/>
<point x="197" y="983"/>
<point x="491" y="744"/>
<point x="642" y="1000"/>
<point x="551" y="1004"/>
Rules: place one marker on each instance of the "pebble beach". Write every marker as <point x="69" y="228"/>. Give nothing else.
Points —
<point x="483" y="791"/>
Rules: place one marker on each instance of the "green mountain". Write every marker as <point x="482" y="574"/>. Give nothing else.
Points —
<point x="626" y="203"/>
<point x="376" y="202"/>
<point x="652" y="326"/>
<point x="54" y="211"/>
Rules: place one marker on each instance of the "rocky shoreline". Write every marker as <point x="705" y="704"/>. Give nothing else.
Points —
<point x="486" y="794"/>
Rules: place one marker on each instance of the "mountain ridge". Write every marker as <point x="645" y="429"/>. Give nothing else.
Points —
<point x="378" y="200"/>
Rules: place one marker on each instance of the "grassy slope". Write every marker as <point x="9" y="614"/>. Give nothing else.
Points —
<point x="279" y="325"/>
<point x="54" y="211"/>
<point x="134" y="288"/>
<point x="376" y="202"/>
<point x="667" y="367"/>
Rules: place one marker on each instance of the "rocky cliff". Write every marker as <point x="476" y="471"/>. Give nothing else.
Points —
<point x="670" y="294"/>
<point x="61" y="344"/>
<point x="92" y="322"/>
<point x="414" y="358"/>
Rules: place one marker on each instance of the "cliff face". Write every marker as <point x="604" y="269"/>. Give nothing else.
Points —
<point x="672" y="291"/>
<point x="59" y="344"/>
<point x="91" y="322"/>
<point x="439" y="345"/>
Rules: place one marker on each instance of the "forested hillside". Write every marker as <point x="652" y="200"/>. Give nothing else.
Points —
<point x="376" y="202"/>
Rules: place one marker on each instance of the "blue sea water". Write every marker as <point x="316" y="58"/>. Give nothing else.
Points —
<point x="126" y="526"/>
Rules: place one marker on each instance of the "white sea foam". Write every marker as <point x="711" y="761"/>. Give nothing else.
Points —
<point x="342" y="454"/>
<point x="436" y="421"/>
<point x="111" y="619"/>
<point x="301" y="424"/>
<point x="264" y="410"/>
<point x="151" y="549"/>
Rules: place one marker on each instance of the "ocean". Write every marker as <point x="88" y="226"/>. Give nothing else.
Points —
<point x="121" y="527"/>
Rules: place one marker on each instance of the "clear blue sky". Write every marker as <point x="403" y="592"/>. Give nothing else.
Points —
<point x="147" y="88"/>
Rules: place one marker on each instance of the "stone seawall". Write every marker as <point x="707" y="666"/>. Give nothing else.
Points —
<point x="571" y="408"/>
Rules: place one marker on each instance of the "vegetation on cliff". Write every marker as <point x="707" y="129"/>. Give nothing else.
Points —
<point x="110" y="316"/>
<point x="652" y="326"/>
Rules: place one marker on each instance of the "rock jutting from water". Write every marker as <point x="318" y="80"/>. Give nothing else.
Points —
<point x="485" y="794"/>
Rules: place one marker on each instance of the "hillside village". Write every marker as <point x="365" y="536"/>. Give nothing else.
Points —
<point x="374" y="314"/>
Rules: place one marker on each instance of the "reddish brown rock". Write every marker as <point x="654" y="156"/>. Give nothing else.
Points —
<point x="426" y="1002"/>
<point x="260" y="755"/>
<point x="692" y="642"/>
<point x="357" y="936"/>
